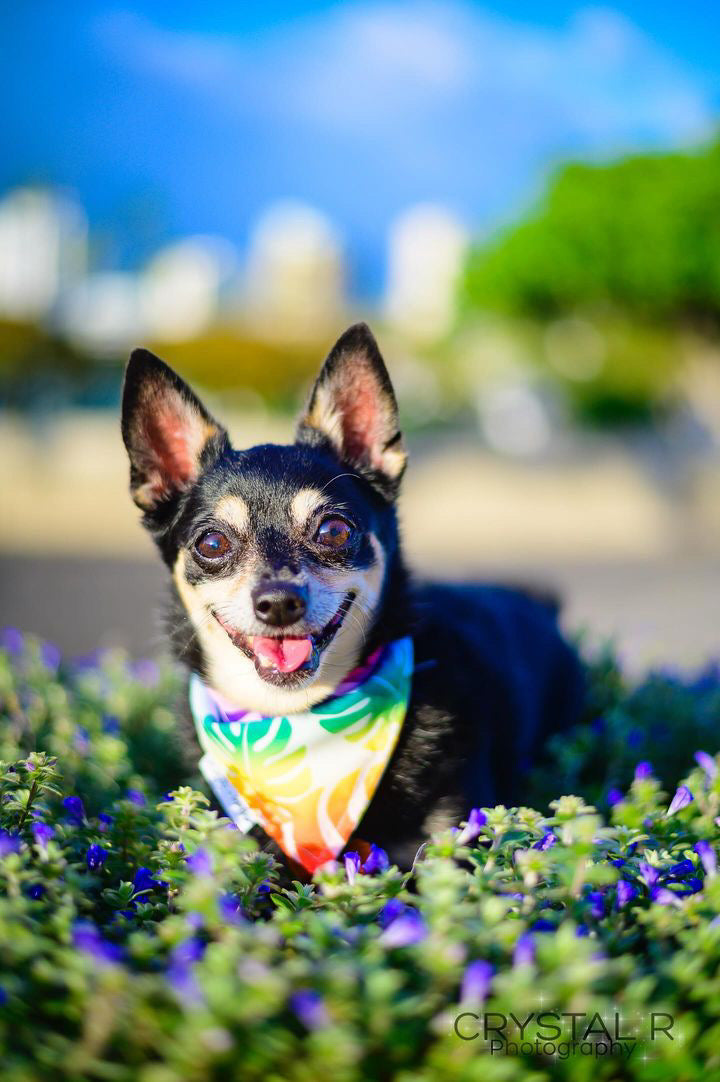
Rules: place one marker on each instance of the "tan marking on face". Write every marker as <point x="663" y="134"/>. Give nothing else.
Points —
<point x="234" y="511"/>
<point x="304" y="503"/>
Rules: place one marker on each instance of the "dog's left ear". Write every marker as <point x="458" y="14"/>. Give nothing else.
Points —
<point x="352" y="409"/>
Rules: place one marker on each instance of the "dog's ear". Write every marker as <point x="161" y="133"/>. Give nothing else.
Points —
<point x="169" y="435"/>
<point x="352" y="408"/>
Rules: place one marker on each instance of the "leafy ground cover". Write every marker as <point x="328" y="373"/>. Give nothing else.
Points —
<point x="143" y="938"/>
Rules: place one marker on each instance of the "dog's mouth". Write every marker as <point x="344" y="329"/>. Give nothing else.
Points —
<point x="287" y="660"/>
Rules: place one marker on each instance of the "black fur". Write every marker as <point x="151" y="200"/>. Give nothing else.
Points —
<point x="494" y="677"/>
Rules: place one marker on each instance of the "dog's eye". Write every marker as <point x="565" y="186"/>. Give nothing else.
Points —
<point x="334" y="533"/>
<point x="212" y="545"/>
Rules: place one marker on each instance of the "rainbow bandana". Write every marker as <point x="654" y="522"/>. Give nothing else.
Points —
<point x="307" y="778"/>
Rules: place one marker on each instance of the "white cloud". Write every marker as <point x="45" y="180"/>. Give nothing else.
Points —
<point x="381" y="63"/>
<point x="441" y="101"/>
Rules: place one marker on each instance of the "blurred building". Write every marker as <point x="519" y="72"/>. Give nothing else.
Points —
<point x="295" y="273"/>
<point x="181" y="287"/>
<point x="103" y="313"/>
<point x="426" y="248"/>
<point x="43" y="250"/>
<point x="176" y="297"/>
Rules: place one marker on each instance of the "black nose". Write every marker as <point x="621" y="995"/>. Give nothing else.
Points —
<point x="279" y="603"/>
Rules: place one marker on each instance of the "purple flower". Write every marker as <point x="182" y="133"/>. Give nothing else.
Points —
<point x="85" y="662"/>
<point x="188" y="953"/>
<point x="405" y="930"/>
<point x="476" y="982"/>
<point x="543" y="925"/>
<point x="682" y="798"/>
<point x="12" y="640"/>
<point x="683" y="867"/>
<point x="9" y="843"/>
<point x="50" y="656"/>
<point x="265" y="887"/>
<point x="75" y="808"/>
<point x="230" y="909"/>
<point x="707" y="763"/>
<point x="180" y="972"/>
<point x="473" y="827"/>
<point x="524" y="951"/>
<point x="36" y="891"/>
<point x="619" y="862"/>
<point x="111" y="724"/>
<point x="136" y="797"/>
<point x="663" y="896"/>
<point x="105" y="822"/>
<point x="144" y="881"/>
<point x="708" y="857"/>
<point x="391" y="911"/>
<point x="96" y="857"/>
<point x="87" y="939"/>
<point x="81" y="740"/>
<point x="643" y="770"/>
<point x="200" y="862"/>
<point x="648" y="874"/>
<point x="146" y="672"/>
<point x="625" y="893"/>
<point x="377" y="861"/>
<point x="614" y="796"/>
<point x="42" y="833"/>
<point x="597" y="904"/>
<point x="308" y="1007"/>
<point x="547" y="841"/>
<point x="352" y="866"/>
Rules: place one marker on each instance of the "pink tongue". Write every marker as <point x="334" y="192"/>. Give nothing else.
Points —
<point x="286" y="655"/>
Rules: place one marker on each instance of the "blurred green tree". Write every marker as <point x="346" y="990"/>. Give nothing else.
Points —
<point x="641" y="235"/>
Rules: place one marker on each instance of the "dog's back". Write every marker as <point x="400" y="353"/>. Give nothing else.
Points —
<point x="494" y="678"/>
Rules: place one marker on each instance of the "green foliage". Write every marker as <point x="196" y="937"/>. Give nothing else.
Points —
<point x="642" y="234"/>
<point x="610" y="278"/>
<point x="143" y="938"/>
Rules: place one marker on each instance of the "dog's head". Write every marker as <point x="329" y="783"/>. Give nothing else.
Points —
<point x="281" y="556"/>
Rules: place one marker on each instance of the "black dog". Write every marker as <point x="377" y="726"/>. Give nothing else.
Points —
<point x="287" y="572"/>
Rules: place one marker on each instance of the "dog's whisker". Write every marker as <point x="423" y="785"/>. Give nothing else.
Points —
<point x="335" y="478"/>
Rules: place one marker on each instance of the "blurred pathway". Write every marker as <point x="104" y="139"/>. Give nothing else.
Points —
<point x="659" y="612"/>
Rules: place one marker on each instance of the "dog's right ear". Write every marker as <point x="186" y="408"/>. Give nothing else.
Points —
<point x="169" y="435"/>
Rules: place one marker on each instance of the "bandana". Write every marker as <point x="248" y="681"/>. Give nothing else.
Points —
<point x="306" y="778"/>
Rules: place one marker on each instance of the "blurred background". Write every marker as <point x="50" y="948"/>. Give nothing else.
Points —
<point x="523" y="201"/>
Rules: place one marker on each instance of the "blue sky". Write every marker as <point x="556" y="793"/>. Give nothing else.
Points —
<point x="168" y="118"/>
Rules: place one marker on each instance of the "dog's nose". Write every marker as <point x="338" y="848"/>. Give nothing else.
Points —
<point x="279" y="603"/>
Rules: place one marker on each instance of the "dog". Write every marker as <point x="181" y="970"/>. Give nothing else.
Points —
<point x="287" y="574"/>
